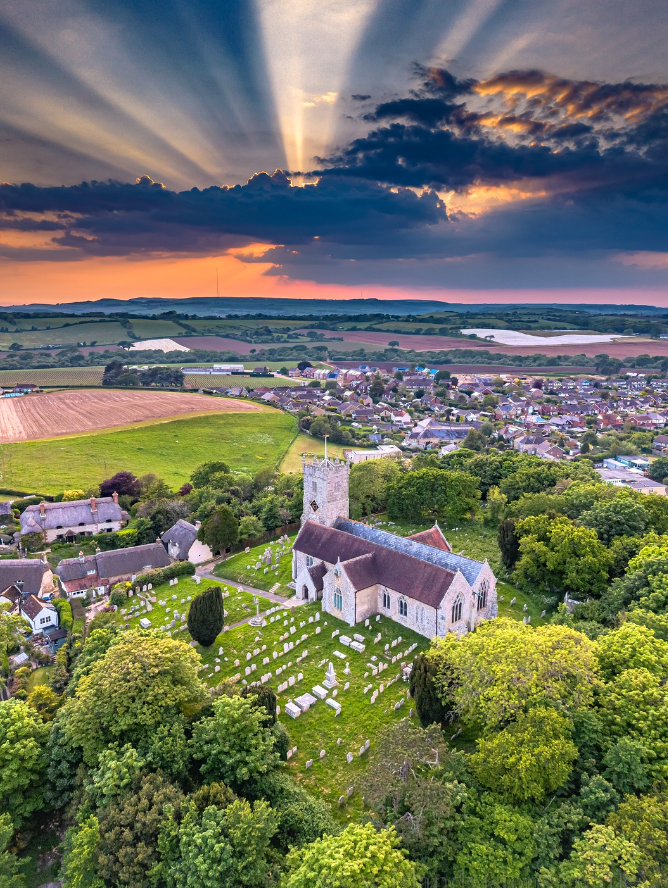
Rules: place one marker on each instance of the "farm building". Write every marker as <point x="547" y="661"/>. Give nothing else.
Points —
<point x="358" y="571"/>
<point x="66" y="521"/>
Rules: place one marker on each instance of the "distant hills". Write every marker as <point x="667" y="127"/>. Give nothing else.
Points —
<point x="225" y="305"/>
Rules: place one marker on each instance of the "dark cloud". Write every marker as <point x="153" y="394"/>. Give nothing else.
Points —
<point x="115" y="218"/>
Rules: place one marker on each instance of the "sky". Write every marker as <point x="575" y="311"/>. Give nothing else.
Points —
<point x="473" y="150"/>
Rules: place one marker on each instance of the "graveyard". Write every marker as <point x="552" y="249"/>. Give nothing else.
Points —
<point x="329" y="717"/>
<point x="267" y="567"/>
<point x="169" y="603"/>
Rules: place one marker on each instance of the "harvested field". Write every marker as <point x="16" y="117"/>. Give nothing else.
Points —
<point x="630" y="348"/>
<point x="55" y="376"/>
<point x="75" y="412"/>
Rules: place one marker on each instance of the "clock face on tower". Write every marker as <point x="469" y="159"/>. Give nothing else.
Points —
<point x="314" y="505"/>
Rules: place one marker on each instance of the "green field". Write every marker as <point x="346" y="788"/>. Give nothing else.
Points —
<point x="54" y="377"/>
<point x="292" y="461"/>
<point x="171" y="449"/>
<point x="100" y="332"/>
<point x="240" y="568"/>
<point x="223" y="380"/>
<point x="39" y="676"/>
<point x="318" y="728"/>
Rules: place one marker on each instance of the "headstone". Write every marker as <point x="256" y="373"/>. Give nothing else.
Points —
<point x="292" y="710"/>
<point x="349" y="758"/>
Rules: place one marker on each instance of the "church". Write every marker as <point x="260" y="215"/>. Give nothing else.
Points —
<point x="358" y="571"/>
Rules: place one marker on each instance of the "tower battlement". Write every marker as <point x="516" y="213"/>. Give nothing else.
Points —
<point x="326" y="487"/>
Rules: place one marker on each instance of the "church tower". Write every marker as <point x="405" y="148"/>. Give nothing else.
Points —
<point x="325" y="489"/>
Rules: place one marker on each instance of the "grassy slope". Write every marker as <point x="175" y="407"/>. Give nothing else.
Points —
<point x="237" y="569"/>
<point x="247" y="441"/>
<point x="292" y="461"/>
<point x="54" y="376"/>
<point x="103" y="332"/>
<point x="222" y="380"/>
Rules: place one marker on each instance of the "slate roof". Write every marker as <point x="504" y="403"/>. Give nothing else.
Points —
<point x="367" y="562"/>
<point x="116" y="563"/>
<point x="470" y="568"/>
<point x="317" y="573"/>
<point x="183" y="534"/>
<point x="30" y="570"/>
<point x="32" y="606"/>
<point x="70" y="514"/>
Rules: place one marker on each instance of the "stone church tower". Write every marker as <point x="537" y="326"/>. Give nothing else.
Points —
<point x="325" y="489"/>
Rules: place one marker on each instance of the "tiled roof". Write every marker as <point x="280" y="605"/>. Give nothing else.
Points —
<point x="32" y="606"/>
<point x="432" y="537"/>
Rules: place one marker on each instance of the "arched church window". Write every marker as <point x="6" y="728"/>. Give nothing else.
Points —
<point x="309" y="561"/>
<point x="403" y="607"/>
<point x="457" y="608"/>
<point x="482" y="595"/>
<point x="338" y="600"/>
<point x="386" y="600"/>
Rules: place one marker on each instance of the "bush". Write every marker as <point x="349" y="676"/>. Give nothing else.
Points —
<point x="118" y="595"/>
<point x="163" y="574"/>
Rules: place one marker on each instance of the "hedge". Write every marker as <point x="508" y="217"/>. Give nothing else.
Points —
<point x="162" y="574"/>
<point x="79" y="616"/>
<point x="64" y="608"/>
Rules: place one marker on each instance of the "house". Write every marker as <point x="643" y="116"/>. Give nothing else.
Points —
<point x="182" y="544"/>
<point x="633" y="480"/>
<point x="96" y="574"/>
<point x="40" y="614"/>
<point x="66" y="521"/>
<point x="358" y="571"/>
<point x="660" y="444"/>
<point x="32" y="575"/>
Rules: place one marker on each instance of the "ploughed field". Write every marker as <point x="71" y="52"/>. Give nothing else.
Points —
<point x="31" y="417"/>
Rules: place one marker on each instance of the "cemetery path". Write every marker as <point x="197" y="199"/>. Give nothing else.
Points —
<point x="261" y="593"/>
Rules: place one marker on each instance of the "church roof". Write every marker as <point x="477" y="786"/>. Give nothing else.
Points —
<point x="367" y="562"/>
<point x="448" y="560"/>
<point x="432" y="537"/>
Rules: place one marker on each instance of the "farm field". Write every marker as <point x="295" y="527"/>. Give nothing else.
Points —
<point x="86" y="410"/>
<point x="248" y="441"/>
<point x="319" y="728"/>
<point x="292" y="461"/>
<point x="57" y="376"/>
<point x="240" y="568"/>
<point x="222" y="380"/>
<point x="91" y="332"/>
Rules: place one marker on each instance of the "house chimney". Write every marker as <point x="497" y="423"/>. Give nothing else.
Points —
<point x="42" y="509"/>
<point x="114" y="497"/>
<point x="93" y="507"/>
<point x="81" y="556"/>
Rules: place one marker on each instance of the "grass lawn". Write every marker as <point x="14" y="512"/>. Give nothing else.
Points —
<point x="292" y="461"/>
<point x="319" y="728"/>
<point x="172" y="449"/>
<point x="240" y="569"/>
<point x="39" y="676"/>
<point x="238" y="605"/>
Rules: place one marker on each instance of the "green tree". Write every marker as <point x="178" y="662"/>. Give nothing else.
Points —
<point x="433" y="493"/>
<point x="529" y="758"/>
<point x="202" y="475"/>
<point x="509" y="543"/>
<point x="368" y="485"/>
<point x="426" y="693"/>
<point x="206" y="616"/>
<point x="233" y="744"/>
<point x="228" y="846"/>
<point x="359" y="857"/>
<point x="220" y="530"/>
<point x="558" y="556"/>
<point x="80" y="857"/>
<point x="127" y="850"/>
<point x="23" y="737"/>
<point x="658" y="468"/>
<point x="601" y="858"/>
<point x="505" y="668"/>
<point x="621" y="516"/>
<point x="632" y="647"/>
<point x="135" y="686"/>
<point x="644" y="822"/>
<point x="496" y="504"/>
<point x="10" y="867"/>
<point x="250" y="527"/>
<point x="377" y="388"/>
